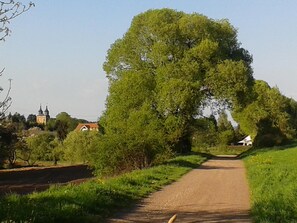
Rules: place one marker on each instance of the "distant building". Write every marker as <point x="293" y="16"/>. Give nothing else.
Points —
<point x="42" y="117"/>
<point x="247" y="141"/>
<point x="87" y="127"/>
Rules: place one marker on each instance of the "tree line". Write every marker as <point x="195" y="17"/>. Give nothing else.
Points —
<point x="25" y="140"/>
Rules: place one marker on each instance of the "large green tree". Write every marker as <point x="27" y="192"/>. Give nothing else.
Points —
<point x="169" y="64"/>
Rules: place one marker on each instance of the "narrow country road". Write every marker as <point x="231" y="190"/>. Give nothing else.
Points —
<point x="216" y="192"/>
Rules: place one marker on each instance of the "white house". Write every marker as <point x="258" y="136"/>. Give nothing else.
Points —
<point x="247" y="141"/>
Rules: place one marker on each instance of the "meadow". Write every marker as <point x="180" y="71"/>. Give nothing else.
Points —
<point x="94" y="200"/>
<point x="272" y="175"/>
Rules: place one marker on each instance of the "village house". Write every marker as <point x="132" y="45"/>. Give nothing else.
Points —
<point x="87" y="127"/>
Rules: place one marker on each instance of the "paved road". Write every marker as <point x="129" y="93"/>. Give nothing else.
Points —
<point x="216" y="192"/>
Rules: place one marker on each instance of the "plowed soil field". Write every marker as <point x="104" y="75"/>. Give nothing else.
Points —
<point x="28" y="180"/>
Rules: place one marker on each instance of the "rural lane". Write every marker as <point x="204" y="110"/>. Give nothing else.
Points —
<point x="215" y="192"/>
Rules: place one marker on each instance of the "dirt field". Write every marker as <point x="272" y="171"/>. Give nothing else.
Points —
<point x="27" y="180"/>
<point x="216" y="192"/>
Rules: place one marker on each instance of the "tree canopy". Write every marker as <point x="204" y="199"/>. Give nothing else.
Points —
<point x="165" y="69"/>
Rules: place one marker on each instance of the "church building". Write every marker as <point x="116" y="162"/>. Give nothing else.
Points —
<point x="42" y="117"/>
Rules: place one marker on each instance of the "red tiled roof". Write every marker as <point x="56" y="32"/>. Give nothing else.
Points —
<point x="88" y="125"/>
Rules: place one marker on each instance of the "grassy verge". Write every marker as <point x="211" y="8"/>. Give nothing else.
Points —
<point x="222" y="150"/>
<point x="272" y="177"/>
<point x="94" y="200"/>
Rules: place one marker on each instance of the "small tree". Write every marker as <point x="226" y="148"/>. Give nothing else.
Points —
<point x="38" y="147"/>
<point x="57" y="150"/>
<point x="78" y="146"/>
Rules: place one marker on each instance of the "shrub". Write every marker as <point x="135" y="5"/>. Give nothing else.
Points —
<point x="79" y="146"/>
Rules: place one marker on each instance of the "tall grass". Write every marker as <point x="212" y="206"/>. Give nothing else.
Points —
<point x="272" y="177"/>
<point x="95" y="200"/>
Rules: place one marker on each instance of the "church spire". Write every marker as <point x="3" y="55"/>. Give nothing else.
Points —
<point x="40" y="112"/>
<point x="46" y="111"/>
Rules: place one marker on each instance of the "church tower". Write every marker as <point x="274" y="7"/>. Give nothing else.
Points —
<point x="42" y="117"/>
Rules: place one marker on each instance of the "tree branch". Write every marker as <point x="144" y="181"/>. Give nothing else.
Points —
<point x="6" y="103"/>
<point x="8" y="11"/>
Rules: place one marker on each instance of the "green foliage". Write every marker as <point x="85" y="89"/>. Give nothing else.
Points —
<point x="18" y="120"/>
<point x="51" y="124"/>
<point x="61" y="127"/>
<point x="140" y="146"/>
<point x="205" y="133"/>
<point x="225" y="130"/>
<point x="37" y="147"/>
<point x="8" y="141"/>
<point x="268" y="135"/>
<point x="161" y="73"/>
<point x="31" y="118"/>
<point x="270" y="113"/>
<point x="95" y="200"/>
<point x="57" y="151"/>
<point x="79" y="146"/>
<point x="71" y="122"/>
<point x="272" y="177"/>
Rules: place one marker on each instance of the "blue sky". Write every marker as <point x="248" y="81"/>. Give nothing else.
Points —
<point x="56" y="50"/>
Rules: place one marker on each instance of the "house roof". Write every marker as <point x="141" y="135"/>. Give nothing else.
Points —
<point x="86" y="125"/>
<point x="246" y="139"/>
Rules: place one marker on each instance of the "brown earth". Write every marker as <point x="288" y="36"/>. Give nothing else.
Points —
<point x="216" y="192"/>
<point x="27" y="180"/>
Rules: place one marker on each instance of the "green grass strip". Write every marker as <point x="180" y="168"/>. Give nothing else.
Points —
<point x="272" y="175"/>
<point x="95" y="200"/>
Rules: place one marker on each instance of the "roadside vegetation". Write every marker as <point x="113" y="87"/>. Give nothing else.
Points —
<point x="222" y="150"/>
<point x="93" y="201"/>
<point x="272" y="175"/>
<point x="166" y="70"/>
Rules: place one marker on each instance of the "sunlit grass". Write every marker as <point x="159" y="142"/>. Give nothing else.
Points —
<point x="222" y="150"/>
<point x="95" y="200"/>
<point x="272" y="177"/>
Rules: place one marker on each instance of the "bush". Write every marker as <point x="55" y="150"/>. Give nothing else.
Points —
<point x="268" y="135"/>
<point x="115" y="155"/>
<point x="79" y="146"/>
